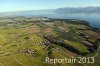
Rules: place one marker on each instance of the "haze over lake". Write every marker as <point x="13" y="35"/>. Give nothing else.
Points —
<point x="92" y="18"/>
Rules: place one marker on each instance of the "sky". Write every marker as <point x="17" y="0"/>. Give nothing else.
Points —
<point x="18" y="5"/>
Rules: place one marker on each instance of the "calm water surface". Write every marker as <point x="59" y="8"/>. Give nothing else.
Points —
<point x="92" y="18"/>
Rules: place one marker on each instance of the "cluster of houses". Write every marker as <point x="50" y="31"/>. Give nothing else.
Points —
<point x="28" y="51"/>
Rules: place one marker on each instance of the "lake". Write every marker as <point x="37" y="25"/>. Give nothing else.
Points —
<point x="92" y="18"/>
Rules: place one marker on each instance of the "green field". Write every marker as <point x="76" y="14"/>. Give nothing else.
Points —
<point x="27" y="41"/>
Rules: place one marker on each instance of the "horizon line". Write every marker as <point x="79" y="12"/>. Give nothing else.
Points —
<point x="44" y="9"/>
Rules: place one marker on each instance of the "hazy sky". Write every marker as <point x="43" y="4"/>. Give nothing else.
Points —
<point x="17" y="5"/>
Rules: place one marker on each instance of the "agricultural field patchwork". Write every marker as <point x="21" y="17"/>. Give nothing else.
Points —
<point x="27" y="41"/>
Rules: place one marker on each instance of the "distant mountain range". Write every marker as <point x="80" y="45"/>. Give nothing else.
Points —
<point x="52" y="11"/>
<point x="78" y="10"/>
